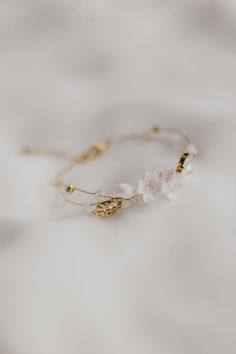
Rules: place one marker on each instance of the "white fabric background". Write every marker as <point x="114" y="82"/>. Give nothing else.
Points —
<point x="157" y="280"/>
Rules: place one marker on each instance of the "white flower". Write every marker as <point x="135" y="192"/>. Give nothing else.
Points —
<point x="171" y="183"/>
<point x="150" y="187"/>
<point x="125" y="191"/>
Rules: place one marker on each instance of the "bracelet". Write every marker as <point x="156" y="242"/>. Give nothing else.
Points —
<point x="152" y="186"/>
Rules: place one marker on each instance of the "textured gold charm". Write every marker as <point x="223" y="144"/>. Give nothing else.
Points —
<point x="108" y="208"/>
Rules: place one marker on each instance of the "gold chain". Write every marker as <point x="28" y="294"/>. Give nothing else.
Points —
<point x="111" y="205"/>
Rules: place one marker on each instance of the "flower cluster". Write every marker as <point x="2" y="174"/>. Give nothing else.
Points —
<point x="153" y="186"/>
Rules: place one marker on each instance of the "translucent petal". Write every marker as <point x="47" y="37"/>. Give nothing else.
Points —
<point x="149" y="197"/>
<point x="125" y="190"/>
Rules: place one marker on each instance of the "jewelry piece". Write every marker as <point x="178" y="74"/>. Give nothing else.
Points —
<point x="152" y="186"/>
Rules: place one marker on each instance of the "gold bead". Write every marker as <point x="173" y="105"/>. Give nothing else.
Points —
<point x="156" y="129"/>
<point x="70" y="188"/>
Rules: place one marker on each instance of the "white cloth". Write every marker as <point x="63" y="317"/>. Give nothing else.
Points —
<point x="156" y="280"/>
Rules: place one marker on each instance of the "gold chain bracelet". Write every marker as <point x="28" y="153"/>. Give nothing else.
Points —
<point x="151" y="187"/>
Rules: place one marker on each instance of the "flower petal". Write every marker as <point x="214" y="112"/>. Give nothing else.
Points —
<point x="149" y="197"/>
<point x="140" y="186"/>
<point x="150" y="177"/>
<point x="125" y="190"/>
<point x="171" y="195"/>
<point x="175" y="183"/>
<point x="162" y="187"/>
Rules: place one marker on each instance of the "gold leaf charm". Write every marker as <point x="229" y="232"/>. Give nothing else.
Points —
<point x="108" y="208"/>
